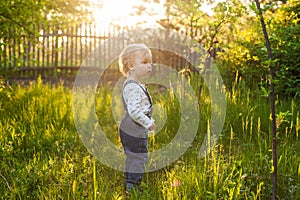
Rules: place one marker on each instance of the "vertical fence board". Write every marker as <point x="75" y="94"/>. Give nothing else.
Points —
<point x="90" y="46"/>
<point x="67" y="46"/>
<point x="3" y="55"/>
<point x="47" y="47"/>
<point x="42" y="39"/>
<point x="76" y="44"/>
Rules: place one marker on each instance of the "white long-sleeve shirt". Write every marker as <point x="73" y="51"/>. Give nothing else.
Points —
<point x="138" y="104"/>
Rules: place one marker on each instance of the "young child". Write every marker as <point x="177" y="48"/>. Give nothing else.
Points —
<point x="135" y="62"/>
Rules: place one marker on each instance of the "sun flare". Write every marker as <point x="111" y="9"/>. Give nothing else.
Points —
<point x="123" y="13"/>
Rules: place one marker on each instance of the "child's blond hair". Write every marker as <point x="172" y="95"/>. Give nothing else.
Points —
<point x="128" y="55"/>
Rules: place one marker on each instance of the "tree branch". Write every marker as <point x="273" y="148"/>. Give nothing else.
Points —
<point x="17" y="23"/>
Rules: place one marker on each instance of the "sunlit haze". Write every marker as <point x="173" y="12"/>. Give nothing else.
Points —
<point x="123" y="13"/>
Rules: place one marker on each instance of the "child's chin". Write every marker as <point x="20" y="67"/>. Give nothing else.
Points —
<point x="148" y="74"/>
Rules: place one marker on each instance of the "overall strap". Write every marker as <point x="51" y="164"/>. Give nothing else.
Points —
<point x="144" y="89"/>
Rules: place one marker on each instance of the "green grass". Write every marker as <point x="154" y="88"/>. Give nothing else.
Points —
<point x="42" y="156"/>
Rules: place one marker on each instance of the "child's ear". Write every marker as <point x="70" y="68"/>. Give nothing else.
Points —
<point x="130" y="65"/>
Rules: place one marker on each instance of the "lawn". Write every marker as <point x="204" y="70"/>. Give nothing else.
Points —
<point x="43" y="157"/>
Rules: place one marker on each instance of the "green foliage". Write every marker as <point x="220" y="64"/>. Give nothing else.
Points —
<point x="207" y="30"/>
<point x="285" y="43"/>
<point x="22" y="23"/>
<point x="22" y="19"/>
<point x="233" y="36"/>
<point x="42" y="157"/>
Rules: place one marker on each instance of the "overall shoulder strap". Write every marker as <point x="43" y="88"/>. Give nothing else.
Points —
<point x="144" y="89"/>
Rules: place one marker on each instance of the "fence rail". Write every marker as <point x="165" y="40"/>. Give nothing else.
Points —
<point x="60" y="51"/>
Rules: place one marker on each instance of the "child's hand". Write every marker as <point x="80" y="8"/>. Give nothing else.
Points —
<point x="152" y="127"/>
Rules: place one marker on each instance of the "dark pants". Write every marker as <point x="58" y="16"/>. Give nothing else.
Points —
<point x="136" y="150"/>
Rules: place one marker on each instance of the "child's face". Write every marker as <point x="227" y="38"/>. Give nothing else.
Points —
<point x="143" y="64"/>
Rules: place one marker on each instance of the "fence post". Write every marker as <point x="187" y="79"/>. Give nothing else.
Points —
<point x="55" y="63"/>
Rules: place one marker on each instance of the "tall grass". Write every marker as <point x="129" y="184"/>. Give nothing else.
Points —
<point x="42" y="157"/>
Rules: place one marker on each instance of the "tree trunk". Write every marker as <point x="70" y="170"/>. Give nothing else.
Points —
<point x="272" y="101"/>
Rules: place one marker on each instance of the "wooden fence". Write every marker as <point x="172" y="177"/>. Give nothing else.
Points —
<point x="60" y="52"/>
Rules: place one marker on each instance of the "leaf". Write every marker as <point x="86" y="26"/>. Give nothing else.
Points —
<point x="268" y="6"/>
<point x="253" y="8"/>
<point x="74" y="187"/>
<point x="265" y="92"/>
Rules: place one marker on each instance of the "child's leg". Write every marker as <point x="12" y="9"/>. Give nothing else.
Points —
<point x="134" y="169"/>
<point x="132" y="181"/>
<point x="136" y="150"/>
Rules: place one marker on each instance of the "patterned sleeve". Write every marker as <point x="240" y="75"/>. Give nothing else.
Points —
<point x="137" y="104"/>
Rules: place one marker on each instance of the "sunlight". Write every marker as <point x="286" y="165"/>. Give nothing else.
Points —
<point x="122" y="13"/>
<point x="207" y="8"/>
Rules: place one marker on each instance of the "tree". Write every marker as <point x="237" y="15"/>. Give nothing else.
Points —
<point x="22" y="18"/>
<point x="272" y="100"/>
<point x="22" y="22"/>
<point x="246" y="52"/>
<point x="190" y="18"/>
<point x="212" y="32"/>
<point x="285" y="38"/>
